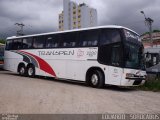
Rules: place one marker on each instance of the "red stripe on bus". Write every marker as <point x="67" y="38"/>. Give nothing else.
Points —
<point x="43" y="64"/>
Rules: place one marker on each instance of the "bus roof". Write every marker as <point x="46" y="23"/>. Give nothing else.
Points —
<point x="74" y="30"/>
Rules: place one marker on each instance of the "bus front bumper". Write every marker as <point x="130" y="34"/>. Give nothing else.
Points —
<point x="136" y="81"/>
<point x="129" y="78"/>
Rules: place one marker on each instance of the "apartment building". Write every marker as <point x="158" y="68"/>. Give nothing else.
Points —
<point x="155" y="39"/>
<point x="76" y="16"/>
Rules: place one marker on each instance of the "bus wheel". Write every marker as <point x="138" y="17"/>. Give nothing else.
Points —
<point x="96" y="79"/>
<point x="30" y="71"/>
<point x="22" y="70"/>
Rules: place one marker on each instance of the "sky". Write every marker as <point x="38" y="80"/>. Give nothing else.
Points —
<point x="40" y="16"/>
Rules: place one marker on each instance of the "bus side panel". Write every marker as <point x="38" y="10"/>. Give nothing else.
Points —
<point x="67" y="63"/>
<point x="59" y="67"/>
<point x="72" y="70"/>
<point x="12" y="60"/>
<point x="78" y="69"/>
<point x="113" y="75"/>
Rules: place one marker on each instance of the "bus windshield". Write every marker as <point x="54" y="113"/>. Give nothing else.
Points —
<point x="134" y="57"/>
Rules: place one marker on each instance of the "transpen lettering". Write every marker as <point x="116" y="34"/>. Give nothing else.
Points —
<point x="42" y="53"/>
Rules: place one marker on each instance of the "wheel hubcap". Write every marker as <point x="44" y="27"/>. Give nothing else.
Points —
<point x="22" y="71"/>
<point x="30" y="71"/>
<point x="94" y="79"/>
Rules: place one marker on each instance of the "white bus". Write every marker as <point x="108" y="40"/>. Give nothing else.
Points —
<point x="101" y="55"/>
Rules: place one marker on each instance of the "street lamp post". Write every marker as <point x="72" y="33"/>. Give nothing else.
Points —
<point x="149" y="22"/>
<point x="20" y="32"/>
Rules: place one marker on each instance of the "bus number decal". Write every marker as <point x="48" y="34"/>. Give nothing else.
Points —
<point x="80" y="53"/>
<point x="92" y="53"/>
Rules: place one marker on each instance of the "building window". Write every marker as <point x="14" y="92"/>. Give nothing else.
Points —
<point x="74" y="7"/>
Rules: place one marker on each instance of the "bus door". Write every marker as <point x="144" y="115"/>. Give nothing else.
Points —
<point x="115" y="71"/>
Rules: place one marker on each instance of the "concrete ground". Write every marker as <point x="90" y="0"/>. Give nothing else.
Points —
<point x="47" y="96"/>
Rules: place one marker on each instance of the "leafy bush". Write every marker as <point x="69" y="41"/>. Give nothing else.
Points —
<point x="153" y="85"/>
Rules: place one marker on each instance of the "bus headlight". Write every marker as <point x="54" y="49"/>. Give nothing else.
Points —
<point x="129" y="75"/>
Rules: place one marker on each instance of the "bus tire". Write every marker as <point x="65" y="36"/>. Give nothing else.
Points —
<point x="96" y="79"/>
<point x="22" y="70"/>
<point x="31" y="71"/>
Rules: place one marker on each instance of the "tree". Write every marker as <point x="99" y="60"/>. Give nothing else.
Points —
<point x="156" y="30"/>
<point x="145" y="33"/>
<point x="153" y="32"/>
<point x="2" y="41"/>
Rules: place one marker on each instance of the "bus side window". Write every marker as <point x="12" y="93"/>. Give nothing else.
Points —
<point x="27" y="43"/>
<point x="52" y="41"/>
<point x="49" y="42"/>
<point x="9" y="45"/>
<point x="69" y="39"/>
<point x="107" y="52"/>
<point x="38" y="42"/>
<point x="109" y="36"/>
<point x="89" y="38"/>
<point x="17" y="44"/>
<point x="116" y="55"/>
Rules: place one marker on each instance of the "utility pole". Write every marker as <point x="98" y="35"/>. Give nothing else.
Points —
<point x="20" y="31"/>
<point x="149" y="22"/>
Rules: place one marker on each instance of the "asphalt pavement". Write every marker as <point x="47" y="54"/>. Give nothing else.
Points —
<point x="47" y="96"/>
